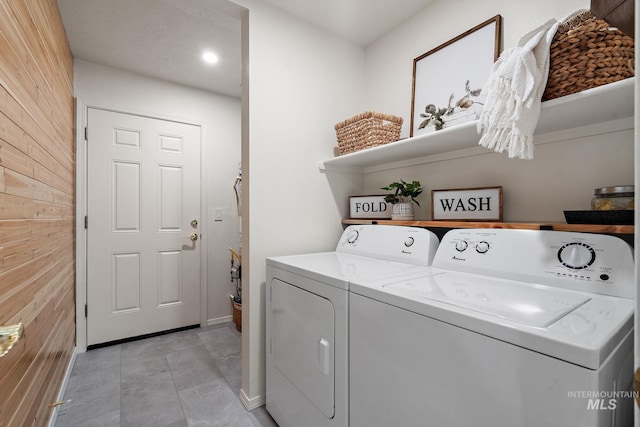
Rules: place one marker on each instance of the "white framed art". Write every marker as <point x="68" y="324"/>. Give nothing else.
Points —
<point x="451" y="72"/>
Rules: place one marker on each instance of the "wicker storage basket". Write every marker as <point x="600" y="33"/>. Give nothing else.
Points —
<point x="366" y="130"/>
<point x="585" y="53"/>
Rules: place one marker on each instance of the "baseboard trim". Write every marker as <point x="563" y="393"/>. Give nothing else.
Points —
<point x="251" y="404"/>
<point x="219" y="320"/>
<point x="63" y="387"/>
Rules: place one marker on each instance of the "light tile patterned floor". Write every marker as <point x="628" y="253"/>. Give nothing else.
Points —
<point x="188" y="378"/>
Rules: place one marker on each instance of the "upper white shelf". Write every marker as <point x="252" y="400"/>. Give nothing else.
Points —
<point x="598" y="105"/>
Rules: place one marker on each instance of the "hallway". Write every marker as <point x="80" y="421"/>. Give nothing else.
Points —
<point x="181" y="379"/>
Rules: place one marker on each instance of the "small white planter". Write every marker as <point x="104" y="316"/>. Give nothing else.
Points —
<point x="403" y="212"/>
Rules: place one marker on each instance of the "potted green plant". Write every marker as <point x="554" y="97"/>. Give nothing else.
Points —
<point x="403" y="193"/>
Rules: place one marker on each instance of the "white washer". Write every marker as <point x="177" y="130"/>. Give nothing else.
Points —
<point x="509" y="328"/>
<point x="307" y="318"/>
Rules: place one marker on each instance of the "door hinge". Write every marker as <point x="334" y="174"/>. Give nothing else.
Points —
<point x="86" y="310"/>
<point x="86" y="133"/>
<point x="86" y="222"/>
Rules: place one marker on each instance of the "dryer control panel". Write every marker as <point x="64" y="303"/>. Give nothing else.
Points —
<point x="389" y="242"/>
<point x="594" y="263"/>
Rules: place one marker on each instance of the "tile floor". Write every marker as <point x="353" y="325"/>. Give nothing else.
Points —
<point x="183" y="379"/>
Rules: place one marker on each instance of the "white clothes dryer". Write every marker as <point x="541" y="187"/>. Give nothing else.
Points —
<point x="508" y="328"/>
<point x="307" y="318"/>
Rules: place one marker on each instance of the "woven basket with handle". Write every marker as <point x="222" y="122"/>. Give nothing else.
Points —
<point x="587" y="52"/>
<point x="366" y="130"/>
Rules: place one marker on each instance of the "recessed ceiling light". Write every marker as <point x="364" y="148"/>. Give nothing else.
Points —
<point x="210" y="57"/>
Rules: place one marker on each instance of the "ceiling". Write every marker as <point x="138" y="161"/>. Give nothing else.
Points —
<point x="361" y="21"/>
<point x="166" y="38"/>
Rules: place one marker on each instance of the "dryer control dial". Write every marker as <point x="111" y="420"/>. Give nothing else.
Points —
<point x="461" y="245"/>
<point x="353" y="236"/>
<point x="576" y="255"/>
<point x="409" y="241"/>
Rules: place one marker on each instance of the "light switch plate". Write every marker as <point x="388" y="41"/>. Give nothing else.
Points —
<point x="217" y="214"/>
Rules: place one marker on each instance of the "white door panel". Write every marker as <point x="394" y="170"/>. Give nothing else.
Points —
<point x="143" y="273"/>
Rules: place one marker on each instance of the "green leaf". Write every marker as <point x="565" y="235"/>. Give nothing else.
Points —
<point x="390" y="198"/>
<point x="475" y="92"/>
<point x="424" y="124"/>
<point x="465" y="103"/>
<point x="403" y="189"/>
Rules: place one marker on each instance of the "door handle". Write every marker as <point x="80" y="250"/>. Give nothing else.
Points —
<point x="322" y="357"/>
<point x="9" y="335"/>
<point x="193" y="237"/>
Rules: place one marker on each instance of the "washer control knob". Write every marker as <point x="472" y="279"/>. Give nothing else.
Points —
<point x="409" y="241"/>
<point x="576" y="255"/>
<point x="353" y="236"/>
<point x="461" y="245"/>
<point x="482" y="247"/>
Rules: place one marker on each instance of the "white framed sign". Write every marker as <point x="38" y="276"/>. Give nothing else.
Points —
<point x="369" y="207"/>
<point x="467" y="204"/>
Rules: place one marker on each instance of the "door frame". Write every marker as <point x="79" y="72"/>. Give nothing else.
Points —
<point x="81" y="117"/>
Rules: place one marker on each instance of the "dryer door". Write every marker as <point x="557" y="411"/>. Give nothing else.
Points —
<point x="302" y="340"/>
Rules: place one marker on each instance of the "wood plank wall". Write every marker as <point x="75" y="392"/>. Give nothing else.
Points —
<point x="37" y="164"/>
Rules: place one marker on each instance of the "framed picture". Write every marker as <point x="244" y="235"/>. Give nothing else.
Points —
<point x="447" y="80"/>
<point x="467" y="204"/>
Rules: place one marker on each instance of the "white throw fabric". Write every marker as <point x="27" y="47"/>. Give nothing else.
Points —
<point x="514" y="94"/>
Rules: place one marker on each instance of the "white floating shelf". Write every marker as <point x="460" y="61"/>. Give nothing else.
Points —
<point x="601" y="104"/>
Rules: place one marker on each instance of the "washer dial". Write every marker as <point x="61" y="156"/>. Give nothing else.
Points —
<point x="353" y="236"/>
<point x="482" y="247"/>
<point x="576" y="255"/>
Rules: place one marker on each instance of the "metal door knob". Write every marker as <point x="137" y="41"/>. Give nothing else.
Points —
<point x="193" y="237"/>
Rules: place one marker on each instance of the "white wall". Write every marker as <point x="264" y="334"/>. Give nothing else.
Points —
<point x="219" y="117"/>
<point x="562" y="175"/>
<point x="301" y="82"/>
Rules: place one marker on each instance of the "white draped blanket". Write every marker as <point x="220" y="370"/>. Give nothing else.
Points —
<point x="514" y="93"/>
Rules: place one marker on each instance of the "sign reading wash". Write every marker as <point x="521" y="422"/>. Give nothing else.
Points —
<point x="467" y="204"/>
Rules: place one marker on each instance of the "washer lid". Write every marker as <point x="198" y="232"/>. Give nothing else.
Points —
<point x="587" y="328"/>
<point x="526" y="304"/>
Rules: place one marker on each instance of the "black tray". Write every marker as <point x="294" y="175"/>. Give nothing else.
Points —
<point x="600" y="217"/>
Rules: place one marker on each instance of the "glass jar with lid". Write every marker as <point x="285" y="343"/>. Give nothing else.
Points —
<point x="613" y="198"/>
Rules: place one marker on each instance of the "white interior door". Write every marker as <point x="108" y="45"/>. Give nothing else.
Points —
<point x="143" y="270"/>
